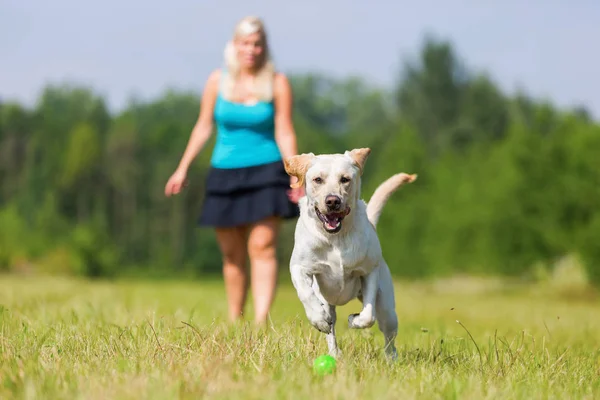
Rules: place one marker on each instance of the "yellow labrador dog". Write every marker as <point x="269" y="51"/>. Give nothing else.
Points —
<point x="337" y="256"/>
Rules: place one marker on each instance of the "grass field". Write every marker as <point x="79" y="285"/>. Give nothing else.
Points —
<point x="72" y="339"/>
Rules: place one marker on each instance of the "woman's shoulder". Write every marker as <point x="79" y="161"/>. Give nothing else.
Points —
<point x="281" y="78"/>
<point x="213" y="81"/>
<point x="215" y="76"/>
<point x="281" y="83"/>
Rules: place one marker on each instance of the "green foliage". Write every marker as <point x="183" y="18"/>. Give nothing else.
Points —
<point x="81" y="157"/>
<point x="506" y="184"/>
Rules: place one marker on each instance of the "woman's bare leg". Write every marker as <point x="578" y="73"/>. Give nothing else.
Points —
<point x="262" y="243"/>
<point x="232" y="242"/>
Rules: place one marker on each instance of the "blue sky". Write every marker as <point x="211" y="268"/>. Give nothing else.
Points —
<point x="129" y="47"/>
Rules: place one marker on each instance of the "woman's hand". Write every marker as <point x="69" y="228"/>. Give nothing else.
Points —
<point x="295" y="194"/>
<point x="176" y="182"/>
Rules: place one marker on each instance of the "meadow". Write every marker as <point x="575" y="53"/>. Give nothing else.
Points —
<point x="508" y="187"/>
<point x="468" y="338"/>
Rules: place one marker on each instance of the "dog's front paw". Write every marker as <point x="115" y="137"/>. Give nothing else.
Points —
<point x="321" y="320"/>
<point x="360" y="321"/>
<point x="336" y="353"/>
<point x="391" y="354"/>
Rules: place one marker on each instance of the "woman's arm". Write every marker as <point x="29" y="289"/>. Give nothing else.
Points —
<point x="204" y="125"/>
<point x="284" y="128"/>
<point x="285" y="135"/>
<point x="200" y="134"/>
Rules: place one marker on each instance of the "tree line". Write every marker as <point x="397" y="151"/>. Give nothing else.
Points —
<point x="507" y="183"/>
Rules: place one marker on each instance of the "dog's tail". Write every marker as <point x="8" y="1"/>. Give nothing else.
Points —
<point x="383" y="193"/>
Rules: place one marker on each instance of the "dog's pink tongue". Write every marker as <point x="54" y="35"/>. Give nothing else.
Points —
<point x="332" y="221"/>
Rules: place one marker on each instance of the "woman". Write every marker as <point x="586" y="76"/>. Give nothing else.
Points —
<point x="247" y="189"/>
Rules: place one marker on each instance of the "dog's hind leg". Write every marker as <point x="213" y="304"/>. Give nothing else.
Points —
<point x="387" y="319"/>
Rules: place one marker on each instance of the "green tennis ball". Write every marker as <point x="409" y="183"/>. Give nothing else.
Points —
<point x="324" y="365"/>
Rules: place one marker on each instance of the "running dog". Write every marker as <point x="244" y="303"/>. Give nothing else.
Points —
<point x="337" y="256"/>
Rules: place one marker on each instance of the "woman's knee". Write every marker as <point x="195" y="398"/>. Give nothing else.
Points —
<point x="232" y="246"/>
<point x="262" y="241"/>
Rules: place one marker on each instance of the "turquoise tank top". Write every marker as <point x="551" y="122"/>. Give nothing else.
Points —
<point x="245" y="134"/>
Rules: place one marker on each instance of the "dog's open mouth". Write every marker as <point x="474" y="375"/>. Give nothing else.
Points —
<point x="332" y="221"/>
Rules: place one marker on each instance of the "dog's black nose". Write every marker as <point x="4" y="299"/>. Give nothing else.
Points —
<point x="333" y="202"/>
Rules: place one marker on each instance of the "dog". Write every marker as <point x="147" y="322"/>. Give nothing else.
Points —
<point x="337" y="255"/>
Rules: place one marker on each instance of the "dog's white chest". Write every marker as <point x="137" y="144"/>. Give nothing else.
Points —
<point x="346" y="255"/>
<point x="339" y="270"/>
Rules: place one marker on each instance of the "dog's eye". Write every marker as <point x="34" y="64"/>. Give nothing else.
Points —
<point x="344" y="179"/>
<point x="318" y="180"/>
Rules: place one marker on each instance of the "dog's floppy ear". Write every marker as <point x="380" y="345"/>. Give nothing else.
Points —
<point x="297" y="166"/>
<point x="359" y="156"/>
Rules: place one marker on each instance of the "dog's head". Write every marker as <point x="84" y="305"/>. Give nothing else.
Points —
<point x="332" y="183"/>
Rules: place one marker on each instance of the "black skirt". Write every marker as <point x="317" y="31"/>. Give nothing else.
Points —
<point x="240" y="196"/>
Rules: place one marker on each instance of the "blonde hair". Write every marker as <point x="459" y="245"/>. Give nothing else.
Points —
<point x="263" y="84"/>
